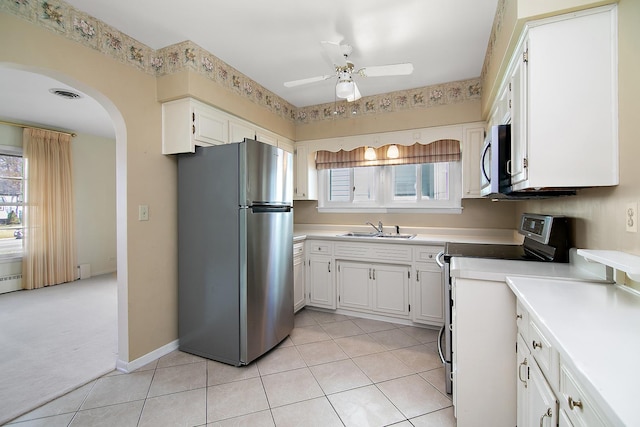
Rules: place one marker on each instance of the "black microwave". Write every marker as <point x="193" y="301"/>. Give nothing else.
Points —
<point x="494" y="161"/>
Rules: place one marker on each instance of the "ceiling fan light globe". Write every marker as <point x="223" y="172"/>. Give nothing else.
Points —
<point x="344" y="89"/>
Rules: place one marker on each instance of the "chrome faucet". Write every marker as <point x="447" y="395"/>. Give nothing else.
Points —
<point x="378" y="228"/>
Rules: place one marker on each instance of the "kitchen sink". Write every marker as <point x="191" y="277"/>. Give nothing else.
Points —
<point x="378" y="235"/>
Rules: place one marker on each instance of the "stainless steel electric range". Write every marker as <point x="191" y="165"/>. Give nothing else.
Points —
<point x="546" y="239"/>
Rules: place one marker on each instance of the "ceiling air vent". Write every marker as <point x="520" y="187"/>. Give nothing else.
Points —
<point x="66" y="94"/>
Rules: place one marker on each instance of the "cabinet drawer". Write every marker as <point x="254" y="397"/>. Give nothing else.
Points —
<point x="427" y="253"/>
<point x="316" y="247"/>
<point x="544" y="353"/>
<point x="578" y="407"/>
<point x="298" y="249"/>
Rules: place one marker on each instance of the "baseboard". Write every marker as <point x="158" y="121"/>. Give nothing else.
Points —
<point x="156" y="354"/>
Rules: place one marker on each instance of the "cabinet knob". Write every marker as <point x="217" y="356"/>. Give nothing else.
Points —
<point x="574" y="403"/>
<point x="518" y="316"/>
<point x="536" y="344"/>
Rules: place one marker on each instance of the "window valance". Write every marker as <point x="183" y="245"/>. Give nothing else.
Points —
<point x="444" y="150"/>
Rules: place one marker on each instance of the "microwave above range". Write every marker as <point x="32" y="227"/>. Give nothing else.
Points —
<point x="495" y="169"/>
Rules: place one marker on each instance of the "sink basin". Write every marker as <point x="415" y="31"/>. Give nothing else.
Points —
<point x="360" y="234"/>
<point x="374" y="234"/>
<point x="398" y="236"/>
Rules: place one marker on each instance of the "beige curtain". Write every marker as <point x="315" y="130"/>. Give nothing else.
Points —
<point x="443" y="150"/>
<point x="49" y="239"/>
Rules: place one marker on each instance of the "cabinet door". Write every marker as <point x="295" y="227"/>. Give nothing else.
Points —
<point x="391" y="289"/>
<point x="542" y="404"/>
<point x="305" y="175"/>
<point x="523" y="358"/>
<point x="209" y="127"/>
<point x="428" y="295"/>
<point x="267" y="138"/>
<point x="518" y="163"/>
<point x="471" y="151"/>
<point x="298" y="276"/>
<point x="238" y="132"/>
<point x="320" y="282"/>
<point x="354" y="285"/>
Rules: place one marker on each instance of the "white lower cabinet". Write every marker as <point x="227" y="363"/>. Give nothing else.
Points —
<point x="548" y="393"/>
<point x="320" y="284"/>
<point x="427" y="306"/>
<point x="298" y="276"/>
<point x="379" y="288"/>
<point x="542" y="407"/>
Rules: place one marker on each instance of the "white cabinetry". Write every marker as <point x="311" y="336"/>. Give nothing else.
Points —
<point x="378" y="288"/>
<point x="548" y="393"/>
<point x="472" y="143"/>
<point x="305" y="174"/>
<point x="320" y="283"/>
<point x="298" y="276"/>
<point x="187" y="123"/>
<point x="238" y="131"/>
<point x="564" y="102"/>
<point x="427" y="303"/>
<point x="484" y="390"/>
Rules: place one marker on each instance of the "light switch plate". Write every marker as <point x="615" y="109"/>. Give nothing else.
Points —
<point x="143" y="213"/>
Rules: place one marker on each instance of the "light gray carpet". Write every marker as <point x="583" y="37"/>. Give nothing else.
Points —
<point x="53" y="340"/>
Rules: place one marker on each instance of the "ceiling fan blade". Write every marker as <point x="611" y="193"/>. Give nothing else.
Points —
<point x="356" y="94"/>
<point x="301" y="82"/>
<point x="334" y="51"/>
<point x="387" y="70"/>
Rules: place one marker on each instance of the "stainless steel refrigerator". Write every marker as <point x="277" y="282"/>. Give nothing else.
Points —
<point x="235" y="244"/>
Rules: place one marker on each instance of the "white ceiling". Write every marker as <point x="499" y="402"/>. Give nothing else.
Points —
<point x="276" y="41"/>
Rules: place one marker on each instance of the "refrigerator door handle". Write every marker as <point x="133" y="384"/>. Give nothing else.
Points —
<point x="270" y="209"/>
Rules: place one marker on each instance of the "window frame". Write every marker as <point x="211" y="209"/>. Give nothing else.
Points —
<point x="17" y="151"/>
<point x="384" y="201"/>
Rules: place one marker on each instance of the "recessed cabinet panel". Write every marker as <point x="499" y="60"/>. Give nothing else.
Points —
<point x="428" y="296"/>
<point x="391" y="289"/>
<point x="321" y="287"/>
<point x="354" y="285"/>
<point x="209" y="127"/>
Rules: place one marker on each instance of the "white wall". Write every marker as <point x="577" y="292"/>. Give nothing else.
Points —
<point x="94" y="176"/>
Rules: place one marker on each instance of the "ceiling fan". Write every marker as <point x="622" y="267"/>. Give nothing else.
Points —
<point x="346" y="88"/>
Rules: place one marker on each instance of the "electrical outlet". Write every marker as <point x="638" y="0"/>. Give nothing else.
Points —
<point x="631" y="217"/>
<point x="143" y="213"/>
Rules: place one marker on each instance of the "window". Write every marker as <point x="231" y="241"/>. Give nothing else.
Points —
<point x="428" y="187"/>
<point x="11" y="201"/>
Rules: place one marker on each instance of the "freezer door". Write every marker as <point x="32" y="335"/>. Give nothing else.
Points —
<point x="266" y="297"/>
<point x="267" y="172"/>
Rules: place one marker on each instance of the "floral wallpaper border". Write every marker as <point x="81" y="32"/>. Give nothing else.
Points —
<point x="64" y="19"/>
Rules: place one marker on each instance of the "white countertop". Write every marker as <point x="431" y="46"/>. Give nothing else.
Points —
<point x="498" y="270"/>
<point x="423" y="235"/>
<point x="596" y="329"/>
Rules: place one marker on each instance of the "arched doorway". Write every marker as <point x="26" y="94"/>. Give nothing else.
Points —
<point x="119" y="164"/>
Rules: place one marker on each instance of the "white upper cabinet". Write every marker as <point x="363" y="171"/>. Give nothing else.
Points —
<point x="305" y="174"/>
<point x="473" y="139"/>
<point x="564" y="102"/>
<point x="187" y="123"/>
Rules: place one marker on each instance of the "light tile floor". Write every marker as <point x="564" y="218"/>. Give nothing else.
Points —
<point x="333" y="370"/>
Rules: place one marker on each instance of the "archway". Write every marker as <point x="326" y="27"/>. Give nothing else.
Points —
<point x="121" y="202"/>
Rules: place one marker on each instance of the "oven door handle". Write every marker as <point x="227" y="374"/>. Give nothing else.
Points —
<point x="440" y="353"/>
<point x="439" y="259"/>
